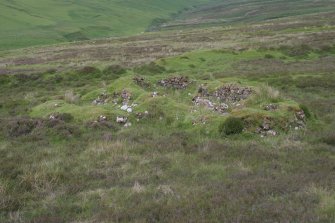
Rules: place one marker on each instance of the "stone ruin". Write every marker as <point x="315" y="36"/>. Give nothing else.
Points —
<point x="218" y="107"/>
<point x="232" y="93"/>
<point x="299" y="120"/>
<point x="175" y="82"/>
<point x="265" y="128"/>
<point x="219" y="99"/>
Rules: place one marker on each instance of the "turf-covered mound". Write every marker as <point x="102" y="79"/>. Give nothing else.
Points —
<point x="181" y="102"/>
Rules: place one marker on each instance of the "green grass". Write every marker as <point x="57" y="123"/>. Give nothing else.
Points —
<point x="239" y="12"/>
<point x="29" y="23"/>
<point x="170" y="166"/>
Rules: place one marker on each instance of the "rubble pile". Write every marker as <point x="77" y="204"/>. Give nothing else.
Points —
<point x="221" y="108"/>
<point x="175" y="82"/>
<point x="126" y="96"/>
<point x="232" y="93"/>
<point x="101" y="100"/>
<point x="265" y="128"/>
<point x="203" y="102"/>
<point x="300" y="120"/>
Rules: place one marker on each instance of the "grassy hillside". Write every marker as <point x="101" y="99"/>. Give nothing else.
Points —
<point x="268" y="156"/>
<point x="229" y="12"/>
<point x="33" y="22"/>
<point x="227" y="115"/>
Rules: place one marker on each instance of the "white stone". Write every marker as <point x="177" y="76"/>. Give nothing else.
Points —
<point x="121" y="119"/>
<point x="124" y="107"/>
<point x="127" y="124"/>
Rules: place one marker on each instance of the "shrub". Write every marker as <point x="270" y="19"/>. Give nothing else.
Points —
<point x="308" y="114"/>
<point x="231" y="126"/>
<point x="151" y="68"/>
<point x="88" y="70"/>
<point x="300" y="51"/>
<point x="268" y="56"/>
<point x="330" y="140"/>
<point x="114" y="69"/>
<point x="20" y="126"/>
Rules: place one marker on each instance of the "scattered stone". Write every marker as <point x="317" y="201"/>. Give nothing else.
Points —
<point x="203" y="102"/>
<point x="300" y="120"/>
<point x="101" y="100"/>
<point x="203" y="91"/>
<point x="272" y="132"/>
<point x="121" y="120"/>
<point x="141" y="115"/>
<point x="52" y="117"/>
<point x="265" y="129"/>
<point x="232" y="93"/>
<point x="66" y="117"/>
<point x="300" y="115"/>
<point x="175" y="82"/>
<point x="221" y="108"/>
<point x="100" y="123"/>
<point x="127" y="108"/>
<point x="154" y="94"/>
<point x="128" y="124"/>
<point x="102" y="118"/>
<point x="271" y="107"/>
<point x="125" y="95"/>
<point x="124" y="107"/>
<point x="140" y="81"/>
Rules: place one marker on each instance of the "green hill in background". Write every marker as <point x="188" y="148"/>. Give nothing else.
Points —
<point x="34" y="22"/>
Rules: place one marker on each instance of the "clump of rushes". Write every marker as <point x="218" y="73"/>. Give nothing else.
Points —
<point x="308" y="114"/>
<point x="231" y="126"/>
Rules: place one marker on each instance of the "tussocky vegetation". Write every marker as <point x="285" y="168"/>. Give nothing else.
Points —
<point x="189" y="124"/>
